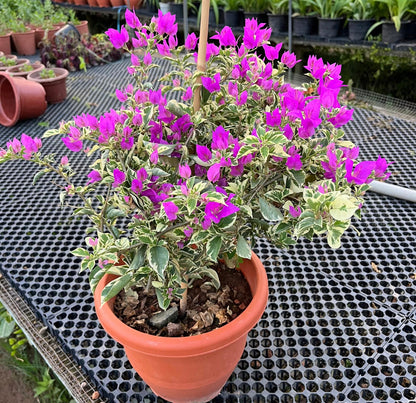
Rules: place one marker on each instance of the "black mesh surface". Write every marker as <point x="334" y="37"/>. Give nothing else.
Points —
<point x="340" y="324"/>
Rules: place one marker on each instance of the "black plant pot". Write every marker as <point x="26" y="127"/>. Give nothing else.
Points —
<point x="411" y="30"/>
<point x="329" y="27"/>
<point x="389" y="33"/>
<point x="278" y="23"/>
<point x="260" y="17"/>
<point x="68" y="30"/>
<point x="176" y="9"/>
<point x="304" y="25"/>
<point x="234" y="18"/>
<point x="357" y="29"/>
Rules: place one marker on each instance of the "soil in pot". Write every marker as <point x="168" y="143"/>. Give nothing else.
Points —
<point x="207" y="309"/>
<point x="19" y="62"/>
<point x="21" y="71"/>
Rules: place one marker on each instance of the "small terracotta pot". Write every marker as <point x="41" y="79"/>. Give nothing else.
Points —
<point x="134" y="4"/>
<point x="5" y="44"/>
<point x="117" y="3"/>
<point x="194" y="368"/>
<point x="40" y="34"/>
<point x="20" y="99"/>
<point x="15" y="71"/>
<point x="92" y="3"/>
<point x="80" y="2"/>
<point x="103" y="3"/>
<point x="24" y="42"/>
<point x="19" y="62"/>
<point x="55" y="87"/>
<point x="82" y="28"/>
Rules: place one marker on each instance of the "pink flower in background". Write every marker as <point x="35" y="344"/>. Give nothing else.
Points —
<point x="185" y="171"/>
<point x="272" y="52"/>
<point x="203" y="153"/>
<point x="191" y="41"/>
<point x="220" y="138"/>
<point x="132" y="20"/>
<point x="289" y="59"/>
<point x="170" y="209"/>
<point x="165" y="23"/>
<point x="147" y="59"/>
<point x="118" y="39"/>
<point x="119" y="177"/>
<point x="212" y="84"/>
<point x="94" y="176"/>
<point x="188" y="94"/>
<point x="225" y="37"/>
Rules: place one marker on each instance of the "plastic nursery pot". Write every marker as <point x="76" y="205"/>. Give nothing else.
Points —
<point x="194" y="368"/>
<point x="24" y="42"/>
<point x="357" y="29"/>
<point x="5" y="44"/>
<point x="82" y="28"/>
<point x="68" y="30"/>
<point x="15" y="71"/>
<point x="278" y="23"/>
<point x="55" y="87"/>
<point x="20" y="99"/>
<point x="329" y="27"/>
<point x="103" y="3"/>
<point x="117" y="3"/>
<point x="10" y="57"/>
<point x="233" y="18"/>
<point x="304" y="25"/>
<point x="133" y="4"/>
<point x="389" y="33"/>
<point x="92" y="3"/>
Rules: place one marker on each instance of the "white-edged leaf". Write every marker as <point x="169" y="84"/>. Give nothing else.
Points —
<point x="80" y="252"/>
<point x="213" y="248"/>
<point x="158" y="257"/>
<point x="268" y="211"/>
<point x="243" y="248"/>
<point x="114" y="287"/>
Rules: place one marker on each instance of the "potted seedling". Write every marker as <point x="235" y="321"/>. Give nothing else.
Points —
<point x="54" y="82"/>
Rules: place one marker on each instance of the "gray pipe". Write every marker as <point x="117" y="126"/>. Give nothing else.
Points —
<point x="393" y="190"/>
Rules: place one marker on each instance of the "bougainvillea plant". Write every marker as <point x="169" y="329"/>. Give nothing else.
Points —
<point x="171" y="189"/>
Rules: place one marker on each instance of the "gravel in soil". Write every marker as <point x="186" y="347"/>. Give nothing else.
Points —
<point x="207" y="308"/>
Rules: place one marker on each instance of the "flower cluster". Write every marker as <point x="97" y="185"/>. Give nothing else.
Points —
<point x="176" y="187"/>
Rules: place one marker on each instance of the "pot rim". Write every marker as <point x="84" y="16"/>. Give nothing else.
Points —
<point x="60" y="74"/>
<point x="10" y="79"/>
<point x="190" y="345"/>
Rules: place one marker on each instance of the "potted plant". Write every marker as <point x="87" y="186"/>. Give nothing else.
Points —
<point x="304" y="18"/>
<point x="54" y="82"/>
<point x="7" y="61"/>
<point x="393" y="30"/>
<point x="330" y="16"/>
<point x="23" y="38"/>
<point x="5" y="33"/>
<point x="25" y="69"/>
<point x="152" y="5"/>
<point x="233" y="15"/>
<point x="278" y="18"/>
<point x="176" y="8"/>
<point x="164" y="5"/>
<point x="255" y="9"/>
<point x="362" y="18"/>
<point x="177" y="191"/>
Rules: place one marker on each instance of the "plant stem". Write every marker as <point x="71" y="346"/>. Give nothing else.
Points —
<point x="183" y="302"/>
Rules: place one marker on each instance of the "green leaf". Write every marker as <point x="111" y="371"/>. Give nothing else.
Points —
<point x="264" y="151"/>
<point x="138" y="259"/>
<point x="95" y="276"/>
<point x="50" y="133"/>
<point x="114" y="287"/>
<point x="114" y="213"/>
<point x="213" y="248"/>
<point x="158" y="257"/>
<point x="163" y="300"/>
<point x="148" y="112"/>
<point x="335" y="232"/>
<point x="268" y="211"/>
<point x="342" y="208"/>
<point x="243" y="248"/>
<point x="213" y="275"/>
<point x="38" y="176"/>
<point x="191" y="205"/>
<point x="80" y="252"/>
<point x="227" y="222"/>
<point x="245" y="150"/>
<point x="6" y="328"/>
<point x="216" y="197"/>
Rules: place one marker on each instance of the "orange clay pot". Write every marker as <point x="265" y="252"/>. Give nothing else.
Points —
<point x="24" y="42"/>
<point x="194" y="368"/>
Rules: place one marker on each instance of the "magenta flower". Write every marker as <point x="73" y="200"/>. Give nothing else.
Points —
<point x="225" y="37"/>
<point x="316" y="67"/>
<point x="127" y="143"/>
<point x="94" y="176"/>
<point x="254" y="35"/>
<point x="136" y="186"/>
<point x="272" y="52"/>
<point x="163" y="48"/>
<point x="289" y="59"/>
<point x="380" y="168"/>
<point x="220" y="139"/>
<point x="185" y="171"/>
<point x="30" y="146"/>
<point x="64" y="160"/>
<point x="242" y="99"/>
<point x="212" y="84"/>
<point x="191" y="41"/>
<point x="273" y="119"/>
<point x="165" y="23"/>
<point x="294" y="162"/>
<point x="360" y="174"/>
<point x="295" y="212"/>
<point x="119" y="177"/>
<point x="73" y="144"/>
<point x="203" y="153"/>
<point x="233" y="89"/>
<point x="188" y="94"/>
<point x="132" y="20"/>
<point x="141" y="174"/>
<point x="215" y="212"/>
<point x="154" y="156"/>
<point x="122" y="96"/>
<point x="214" y="172"/>
<point x="15" y="145"/>
<point x="188" y="231"/>
<point x="147" y="59"/>
<point x="118" y="39"/>
<point x="342" y="117"/>
<point x="170" y="209"/>
<point x="93" y="242"/>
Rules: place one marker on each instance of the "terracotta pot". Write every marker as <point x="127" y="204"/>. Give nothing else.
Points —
<point x="194" y="368"/>
<point x="55" y="87"/>
<point x="82" y="28"/>
<point x="25" y="42"/>
<point x="92" y="3"/>
<point x="80" y="2"/>
<point x="103" y="3"/>
<point x="15" y="71"/>
<point x="5" y="44"/>
<point x="117" y="3"/>
<point x="19" y="62"/>
<point x="134" y="4"/>
<point x="20" y="99"/>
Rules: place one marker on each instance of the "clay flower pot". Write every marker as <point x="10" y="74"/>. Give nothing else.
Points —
<point x="20" y="99"/>
<point x="5" y="44"/>
<point x="80" y="2"/>
<point x="55" y="87"/>
<point x="134" y="4"/>
<point x="103" y="3"/>
<point x="194" y="368"/>
<point x="19" y="62"/>
<point x="16" y="71"/>
<point x="117" y="3"/>
<point x="25" y="42"/>
<point x="92" y="3"/>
